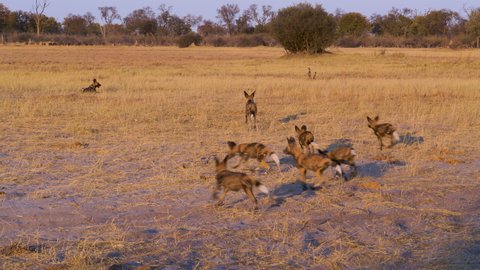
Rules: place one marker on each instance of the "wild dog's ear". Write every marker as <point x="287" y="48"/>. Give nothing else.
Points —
<point x="297" y="130"/>
<point x="216" y="160"/>
<point x="291" y="140"/>
<point x="245" y="93"/>
<point x="225" y="159"/>
<point x="252" y="94"/>
<point x="94" y="80"/>
<point x="304" y="128"/>
<point x="369" y="119"/>
<point x="376" y="118"/>
<point x="231" y="144"/>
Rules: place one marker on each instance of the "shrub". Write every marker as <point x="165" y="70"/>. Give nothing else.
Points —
<point x="304" y="28"/>
<point x="187" y="40"/>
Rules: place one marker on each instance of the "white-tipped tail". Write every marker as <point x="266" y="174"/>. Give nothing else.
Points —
<point x="396" y="136"/>
<point x="338" y="168"/>
<point x="353" y="152"/>
<point x="263" y="189"/>
<point x="276" y="159"/>
<point x="252" y="116"/>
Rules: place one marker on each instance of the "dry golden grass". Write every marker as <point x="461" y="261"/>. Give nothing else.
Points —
<point x="90" y="181"/>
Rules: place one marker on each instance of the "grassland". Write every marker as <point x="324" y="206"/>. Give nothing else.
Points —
<point x="121" y="178"/>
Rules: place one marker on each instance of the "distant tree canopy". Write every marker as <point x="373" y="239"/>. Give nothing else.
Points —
<point x="472" y="25"/>
<point x="304" y="28"/>
<point x="353" y="24"/>
<point x="141" y="21"/>
<point x="81" y="25"/>
<point x="299" y="28"/>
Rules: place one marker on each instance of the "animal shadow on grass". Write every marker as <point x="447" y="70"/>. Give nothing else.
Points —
<point x="377" y="169"/>
<point x="291" y="117"/>
<point x="409" y="139"/>
<point x="288" y="190"/>
<point x="340" y="143"/>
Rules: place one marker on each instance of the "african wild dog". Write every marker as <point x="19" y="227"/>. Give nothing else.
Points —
<point x="250" y="108"/>
<point x="305" y="138"/>
<point x="341" y="155"/>
<point x="311" y="162"/>
<point x="383" y="130"/>
<point x="253" y="150"/>
<point x="235" y="181"/>
<point x="93" y="87"/>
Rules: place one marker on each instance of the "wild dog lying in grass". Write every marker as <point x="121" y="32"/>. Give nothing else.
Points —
<point x="250" y="108"/>
<point x="235" y="181"/>
<point x="305" y="138"/>
<point x="341" y="155"/>
<point x="253" y="150"/>
<point x="383" y="130"/>
<point x="93" y="87"/>
<point x="315" y="163"/>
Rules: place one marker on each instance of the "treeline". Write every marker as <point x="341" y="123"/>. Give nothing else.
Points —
<point x="253" y="26"/>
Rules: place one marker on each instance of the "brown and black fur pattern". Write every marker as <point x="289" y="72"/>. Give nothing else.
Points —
<point x="250" y="108"/>
<point x="305" y="137"/>
<point x="342" y="155"/>
<point x="315" y="163"/>
<point x="93" y="87"/>
<point x="384" y="130"/>
<point x="234" y="181"/>
<point x="252" y="150"/>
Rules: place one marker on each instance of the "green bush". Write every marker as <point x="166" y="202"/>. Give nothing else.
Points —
<point x="304" y="28"/>
<point x="187" y="40"/>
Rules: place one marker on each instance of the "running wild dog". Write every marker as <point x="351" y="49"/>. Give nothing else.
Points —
<point x="305" y="138"/>
<point x="341" y="155"/>
<point x="93" y="87"/>
<point x="314" y="163"/>
<point x="383" y="130"/>
<point x="250" y="108"/>
<point x="235" y="181"/>
<point x="252" y="150"/>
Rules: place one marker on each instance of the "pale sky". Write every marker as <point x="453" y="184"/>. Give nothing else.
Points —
<point x="207" y="8"/>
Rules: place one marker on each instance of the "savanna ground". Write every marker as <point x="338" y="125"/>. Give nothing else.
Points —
<point x="123" y="178"/>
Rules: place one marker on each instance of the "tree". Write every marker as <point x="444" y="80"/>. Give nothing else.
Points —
<point x="172" y="25"/>
<point x="4" y="13"/>
<point x="436" y="22"/>
<point x="75" y="25"/>
<point x="396" y="22"/>
<point x="353" y="24"/>
<point x="304" y="28"/>
<point x="208" y="28"/>
<point x="472" y="25"/>
<point x="108" y="14"/>
<point x="227" y="15"/>
<point x="262" y="18"/>
<point x="38" y="10"/>
<point x="80" y="25"/>
<point x="50" y="25"/>
<point x="141" y="21"/>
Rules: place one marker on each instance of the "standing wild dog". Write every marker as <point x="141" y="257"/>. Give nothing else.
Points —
<point x="253" y="150"/>
<point x="383" y="130"/>
<point x="250" y="109"/>
<point x="341" y="155"/>
<point x="315" y="163"/>
<point x="235" y="181"/>
<point x="93" y="87"/>
<point x="305" y="138"/>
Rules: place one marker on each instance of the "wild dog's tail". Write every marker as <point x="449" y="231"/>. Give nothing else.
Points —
<point x="276" y="159"/>
<point x="353" y="152"/>
<point x="396" y="137"/>
<point x="262" y="187"/>
<point x="252" y="116"/>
